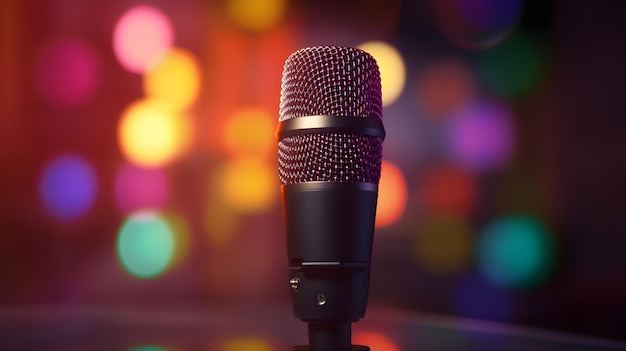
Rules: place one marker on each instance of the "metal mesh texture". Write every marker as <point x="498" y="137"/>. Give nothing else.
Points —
<point x="336" y="81"/>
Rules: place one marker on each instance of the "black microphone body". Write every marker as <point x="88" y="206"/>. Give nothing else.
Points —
<point x="330" y="151"/>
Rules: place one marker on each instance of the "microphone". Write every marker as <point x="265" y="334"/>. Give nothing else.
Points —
<point x="330" y="135"/>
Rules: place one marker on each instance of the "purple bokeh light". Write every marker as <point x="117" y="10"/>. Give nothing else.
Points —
<point x="481" y="136"/>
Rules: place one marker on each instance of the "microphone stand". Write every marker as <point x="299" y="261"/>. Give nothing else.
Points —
<point x="330" y="336"/>
<point x="330" y="229"/>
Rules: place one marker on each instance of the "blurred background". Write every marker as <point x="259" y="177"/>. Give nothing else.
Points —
<point x="138" y="162"/>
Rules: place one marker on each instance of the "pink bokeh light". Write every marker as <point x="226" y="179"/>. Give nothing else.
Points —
<point x="139" y="188"/>
<point x="67" y="72"/>
<point x="141" y="36"/>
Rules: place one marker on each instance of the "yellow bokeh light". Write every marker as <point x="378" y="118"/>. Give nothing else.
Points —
<point x="392" y="195"/>
<point x="256" y="15"/>
<point x="250" y="132"/>
<point x="249" y="184"/>
<point x="151" y="134"/>
<point x="391" y="66"/>
<point x="248" y="344"/>
<point x="443" y="244"/>
<point x="174" y="78"/>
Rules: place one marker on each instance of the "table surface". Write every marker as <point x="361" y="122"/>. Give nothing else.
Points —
<point x="269" y="327"/>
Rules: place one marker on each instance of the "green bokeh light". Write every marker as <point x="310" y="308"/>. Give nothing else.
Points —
<point x="148" y="348"/>
<point x="513" y="67"/>
<point x="145" y="244"/>
<point x="516" y="252"/>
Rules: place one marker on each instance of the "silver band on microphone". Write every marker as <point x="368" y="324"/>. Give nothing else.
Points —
<point x="330" y="124"/>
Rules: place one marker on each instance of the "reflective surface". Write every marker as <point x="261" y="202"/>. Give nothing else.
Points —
<point x="267" y="328"/>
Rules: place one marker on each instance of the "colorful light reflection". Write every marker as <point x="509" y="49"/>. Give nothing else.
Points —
<point x="141" y="35"/>
<point x="67" y="72"/>
<point x="516" y="252"/>
<point x="145" y="244"/>
<point x="68" y="187"/>
<point x="481" y="136"/>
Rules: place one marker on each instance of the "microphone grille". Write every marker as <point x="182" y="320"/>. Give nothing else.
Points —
<point x="335" y="81"/>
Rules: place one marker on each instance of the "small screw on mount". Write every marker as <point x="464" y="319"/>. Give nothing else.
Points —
<point x="295" y="283"/>
<point x="321" y="299"/>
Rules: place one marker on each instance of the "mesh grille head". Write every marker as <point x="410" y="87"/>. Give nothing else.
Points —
<point x="336" y="81"/>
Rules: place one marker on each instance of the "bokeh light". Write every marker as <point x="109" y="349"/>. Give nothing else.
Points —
<point x="516" y="252"/>
<point x="477" y="25"/>
<point x="513" y="67"/>
<point x="151" y="133"/>
<point x="391" y="66"/>
<point x="249" y="184"/>
<point x="392" y="195"/>
<point x="67" y="72"/>
<point x="480" y="137"/>
<point x="68" y="187"/>
<point x="220" y="221"/>
<point x="174" y="78"/>
<point x="490" y="14"/>
<point x="447" y="189"/>
<point x="375" y="341"/>
<point x="145" y="244"/>
<point x="182" y="239"/>
<point x="149" y="348"/>
<point x="444" y="87"/>
<point x="256" y="15"/>
<point x="477" y="298"/>
<point x="443" y="244"/>
<point x="250" y="132"/>
<point x="141" y="35"/>
<point x="246" y="343"/>
<point x="140" y="188"/>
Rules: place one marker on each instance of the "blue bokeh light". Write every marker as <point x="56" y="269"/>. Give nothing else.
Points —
<point x="515" y="252"/>
<point x="68" y="187"/>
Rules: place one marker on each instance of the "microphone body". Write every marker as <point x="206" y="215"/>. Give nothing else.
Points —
<point x="330" y="136"/>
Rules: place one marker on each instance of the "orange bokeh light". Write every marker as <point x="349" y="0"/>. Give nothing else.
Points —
<point x="444" y="87"/>
<point x="174" y="78"/>
<point x="375" y="341"/>
<point x="250" y="132"/>
<point x="447" y="189"/>
<point x="249" y="184"/>
<point x="256" y="15"/>
<point x="392" y="195"/>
